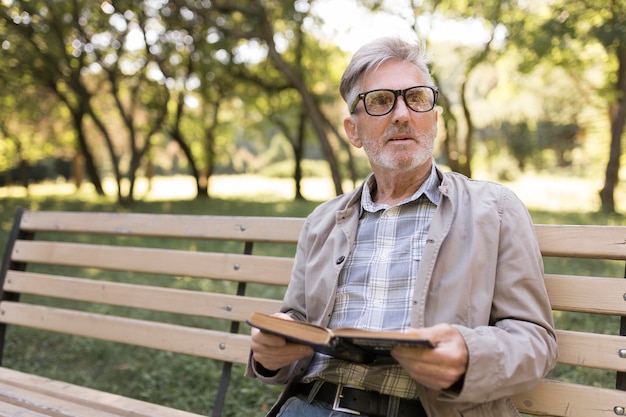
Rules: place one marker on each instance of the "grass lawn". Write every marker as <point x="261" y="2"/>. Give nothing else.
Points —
<point x="187" y="382"/>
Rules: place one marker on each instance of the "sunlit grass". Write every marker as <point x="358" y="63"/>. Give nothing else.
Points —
<point x="541" y="192"/>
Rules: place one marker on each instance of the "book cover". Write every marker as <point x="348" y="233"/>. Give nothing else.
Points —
<point x="350" y="344"/>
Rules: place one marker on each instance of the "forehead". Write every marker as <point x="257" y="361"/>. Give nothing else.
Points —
<point x="392" y="75"/>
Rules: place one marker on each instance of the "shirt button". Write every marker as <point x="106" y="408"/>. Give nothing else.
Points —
<point x="340" y="260"/>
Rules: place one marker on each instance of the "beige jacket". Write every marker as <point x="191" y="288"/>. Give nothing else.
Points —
<point x="481" y="271"/>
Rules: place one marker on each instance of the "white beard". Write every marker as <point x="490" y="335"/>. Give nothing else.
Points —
<point x="379" y="157"/>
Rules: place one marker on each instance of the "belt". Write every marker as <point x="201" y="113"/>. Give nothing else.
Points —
<point x="352" y="400"/>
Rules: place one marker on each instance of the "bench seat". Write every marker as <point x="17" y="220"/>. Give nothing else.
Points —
<point x="28" y="395"/>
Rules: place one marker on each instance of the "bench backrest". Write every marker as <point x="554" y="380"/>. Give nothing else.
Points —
<point x="597" y="348"/>
<point x="84" y="257"/>
<point x="80" y="256"/>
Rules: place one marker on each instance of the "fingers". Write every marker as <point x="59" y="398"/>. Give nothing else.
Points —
<point x="274" y="352"/>
<point x="440" y="367"/>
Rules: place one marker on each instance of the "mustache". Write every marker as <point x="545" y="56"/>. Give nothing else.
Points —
<point x="408" y="131"/>
<point x="401" y="131"/>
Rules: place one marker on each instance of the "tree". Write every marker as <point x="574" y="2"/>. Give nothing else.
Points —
<point x="37" y="46"/>
<point x="31" y="125"/>
<point x="184" y="55"/>
<point x="459" y="150"/>
<point x="567" y="34"/>
<point x="81" y="52"/>
<point x="261" y="18"/>
<point x="134" y="72"/>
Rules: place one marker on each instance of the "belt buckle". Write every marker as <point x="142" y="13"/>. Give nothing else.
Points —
<point x="337" y="402"/>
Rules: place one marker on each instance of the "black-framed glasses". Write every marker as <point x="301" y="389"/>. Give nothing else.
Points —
<point x="421" y="99"/>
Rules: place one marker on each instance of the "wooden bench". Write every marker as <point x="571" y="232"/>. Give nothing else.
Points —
<point x="82" y="259"/>
<point x="107" y="276"/>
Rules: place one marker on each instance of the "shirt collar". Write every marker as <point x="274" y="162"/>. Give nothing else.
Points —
<point x="429" y="189"/>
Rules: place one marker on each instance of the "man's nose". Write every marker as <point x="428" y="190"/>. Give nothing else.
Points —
<point x="401" y="110"/>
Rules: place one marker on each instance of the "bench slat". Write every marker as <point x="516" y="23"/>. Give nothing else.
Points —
<point x="204" y="304"/>
<point x="47" y="405"/>
<point x="87" y="397"/>
<point x="576" y="348"/>
<point x="240" y="228"/>
<point x="562" y="399"/>
<point x="190" y="340"/>
<point x="587" y="294"/>
<point x="599" y="242"/>
<point x="7" y="409"/>
<point x="591" y="350"/>
<point x="250" y="268"/>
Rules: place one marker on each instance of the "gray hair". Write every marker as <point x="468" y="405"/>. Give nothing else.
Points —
<point x="377" y="52"/>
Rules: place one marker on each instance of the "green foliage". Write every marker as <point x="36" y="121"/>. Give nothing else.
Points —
<point x="128" y="78"/>
<point x="213" y="87"/>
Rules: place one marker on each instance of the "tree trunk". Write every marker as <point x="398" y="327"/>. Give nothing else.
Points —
<point x="178" y="138"/>
<point x="90" y="164"/>
<point x="203" y="187"/>
<point x="78" y="119"/>
<point x="618" y="119"/>
<point x="318" y="120"/>
<point x="450" y="141"/>
<point x="115" y="159"/>
<point x="465" y="164"/>
<point x="298" y="151"/>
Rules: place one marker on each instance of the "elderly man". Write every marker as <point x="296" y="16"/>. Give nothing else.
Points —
<point x="416" y="250"/>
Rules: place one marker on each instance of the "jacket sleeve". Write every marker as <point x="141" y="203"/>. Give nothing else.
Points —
<point x="518" y="347"/>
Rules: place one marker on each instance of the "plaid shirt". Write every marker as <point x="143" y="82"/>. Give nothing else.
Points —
<point x="376" y="285"/>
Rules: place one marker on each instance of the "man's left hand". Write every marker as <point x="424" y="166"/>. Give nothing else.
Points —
<point x="438" y="368"/>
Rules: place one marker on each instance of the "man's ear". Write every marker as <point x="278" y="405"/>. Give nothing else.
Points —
<point x="352" y="131"/>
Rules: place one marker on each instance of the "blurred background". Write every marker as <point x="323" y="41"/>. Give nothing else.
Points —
<point x="157" y="99"/>
<point x="232" y="107"/>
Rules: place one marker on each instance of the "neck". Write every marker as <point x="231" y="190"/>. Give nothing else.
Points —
<point x="393" y="188"/>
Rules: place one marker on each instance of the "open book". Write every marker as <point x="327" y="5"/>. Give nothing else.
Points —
<point x="350" y="344"/>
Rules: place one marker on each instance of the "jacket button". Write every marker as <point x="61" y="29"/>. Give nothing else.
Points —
<point x="340" y="260"/>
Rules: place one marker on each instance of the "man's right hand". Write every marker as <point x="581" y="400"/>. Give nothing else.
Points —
<point x="274" y="352"/>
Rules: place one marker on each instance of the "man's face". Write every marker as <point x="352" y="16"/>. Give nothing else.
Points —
<point x="401" y="140"/>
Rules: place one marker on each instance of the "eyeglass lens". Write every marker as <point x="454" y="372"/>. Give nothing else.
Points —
<point x="380" y="102"/>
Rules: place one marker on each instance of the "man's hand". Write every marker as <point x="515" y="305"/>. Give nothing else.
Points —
<point x="437" y="368"/>
<point x="274" y="352"/>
